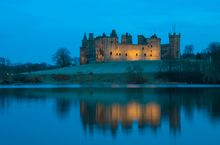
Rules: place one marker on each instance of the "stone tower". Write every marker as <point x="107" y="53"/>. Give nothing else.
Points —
<point x="83" y="50"/>
<point x="114" y="39"/>
<point x="174" y="40"/>
<point x="91" y="49"/>
<point x="142" y="40"/>
<point x="126" y="39"/>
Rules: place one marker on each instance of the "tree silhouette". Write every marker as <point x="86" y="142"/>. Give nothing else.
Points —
<point x="62" y="57"/>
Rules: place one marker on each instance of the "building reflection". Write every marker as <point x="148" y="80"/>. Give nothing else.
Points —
<point x="63" y="107"/>
<point x="115" y="115"/>
<point x="174" y="120"/>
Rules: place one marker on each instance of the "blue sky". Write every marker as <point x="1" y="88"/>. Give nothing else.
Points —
<point x="32" y="30"/>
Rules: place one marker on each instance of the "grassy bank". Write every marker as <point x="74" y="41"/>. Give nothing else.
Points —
<point x="84" y="78"/>
<point x="115" y="72"/>
<point x="136" y="72"/>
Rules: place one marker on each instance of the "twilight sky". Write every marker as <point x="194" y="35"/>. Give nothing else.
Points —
<point x="32" y="30"/>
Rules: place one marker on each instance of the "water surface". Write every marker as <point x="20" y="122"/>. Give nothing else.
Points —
<point x="109" y="115"/>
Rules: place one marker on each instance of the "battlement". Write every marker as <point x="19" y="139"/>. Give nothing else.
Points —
<point x="125" y="38"/>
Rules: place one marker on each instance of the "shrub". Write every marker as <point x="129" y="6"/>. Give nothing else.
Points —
<point x="61" y="77"/>
<point x="135" y="74"/>
<point x="26" y="79"/>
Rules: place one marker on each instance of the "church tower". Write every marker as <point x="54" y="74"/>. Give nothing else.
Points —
<point x="174" y="40"/>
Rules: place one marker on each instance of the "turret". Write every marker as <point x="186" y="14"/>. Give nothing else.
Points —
<point x="91" y="49"/>
<point x="142" y="40"/>
<point x="113" y="34"/>
<point x="84" y="50"/>
<point x="84" y="41"/>
<point x="104" y="35"/>
<point x="114" y="38"/>
<point x="174" y="40"/>
<point x="126" y="39"/>
<point x="84" y="38"/>
<point x="91" y="36"/>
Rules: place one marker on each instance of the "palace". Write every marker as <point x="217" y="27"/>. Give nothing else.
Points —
<point x="107" y="48"/>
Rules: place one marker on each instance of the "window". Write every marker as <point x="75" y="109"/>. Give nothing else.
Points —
<point x="110" y="53"/>
<point x="119" y="54"/>
<point x="150" y="50"/>
<point x="142" y="48"/>
<point x="126" y="54"/>
<point x="151" y="46"/>
<point x="145" y="54"/>
<point x="151" y="55"/>
<point x="136" y="54"/>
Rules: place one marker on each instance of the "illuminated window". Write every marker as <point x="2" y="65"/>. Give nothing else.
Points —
<point x="111" y="53"/>
<point x="136" y="54"/>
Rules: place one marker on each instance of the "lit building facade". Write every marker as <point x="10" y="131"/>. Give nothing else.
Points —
<point x="108" y="49"/>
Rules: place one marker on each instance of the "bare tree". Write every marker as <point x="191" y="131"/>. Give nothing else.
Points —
<point x="62" y="57"/>
<point x="214" y="50"/>
<point x="188" y="52"/>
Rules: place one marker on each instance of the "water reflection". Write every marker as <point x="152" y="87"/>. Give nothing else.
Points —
<point x="63" y="107"/>
<point x="148" y="115"/>
<point x="109" y="116"/>
<point x="111" y="109"/>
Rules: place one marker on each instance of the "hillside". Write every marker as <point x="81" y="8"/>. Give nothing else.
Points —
<point x="103" y="68"/>
<point x="113" y="72"/>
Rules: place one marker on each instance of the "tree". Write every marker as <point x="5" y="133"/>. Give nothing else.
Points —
<point x="188" y="52"/>
<point x="212" y="73"/>
<point x="62" y="57"/>
<point x="214" y="50"/>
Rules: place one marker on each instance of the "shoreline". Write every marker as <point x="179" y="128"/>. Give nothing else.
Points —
<point x="93" y="79"/>
<point x="100" y="85"/>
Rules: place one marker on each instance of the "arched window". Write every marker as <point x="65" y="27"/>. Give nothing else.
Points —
<point x="110" y="53"/>
<point x="136" y="54"/>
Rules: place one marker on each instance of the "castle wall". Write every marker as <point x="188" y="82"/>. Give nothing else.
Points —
<point x="124" y="52"/>
<point x="83" y="55"/>
<point x="107" y="48"/>
<point x="103" y="45"/>
<point x="165" y="51"/>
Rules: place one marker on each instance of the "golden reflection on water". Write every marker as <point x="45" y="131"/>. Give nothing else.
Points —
<point x="126" y="114"/>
